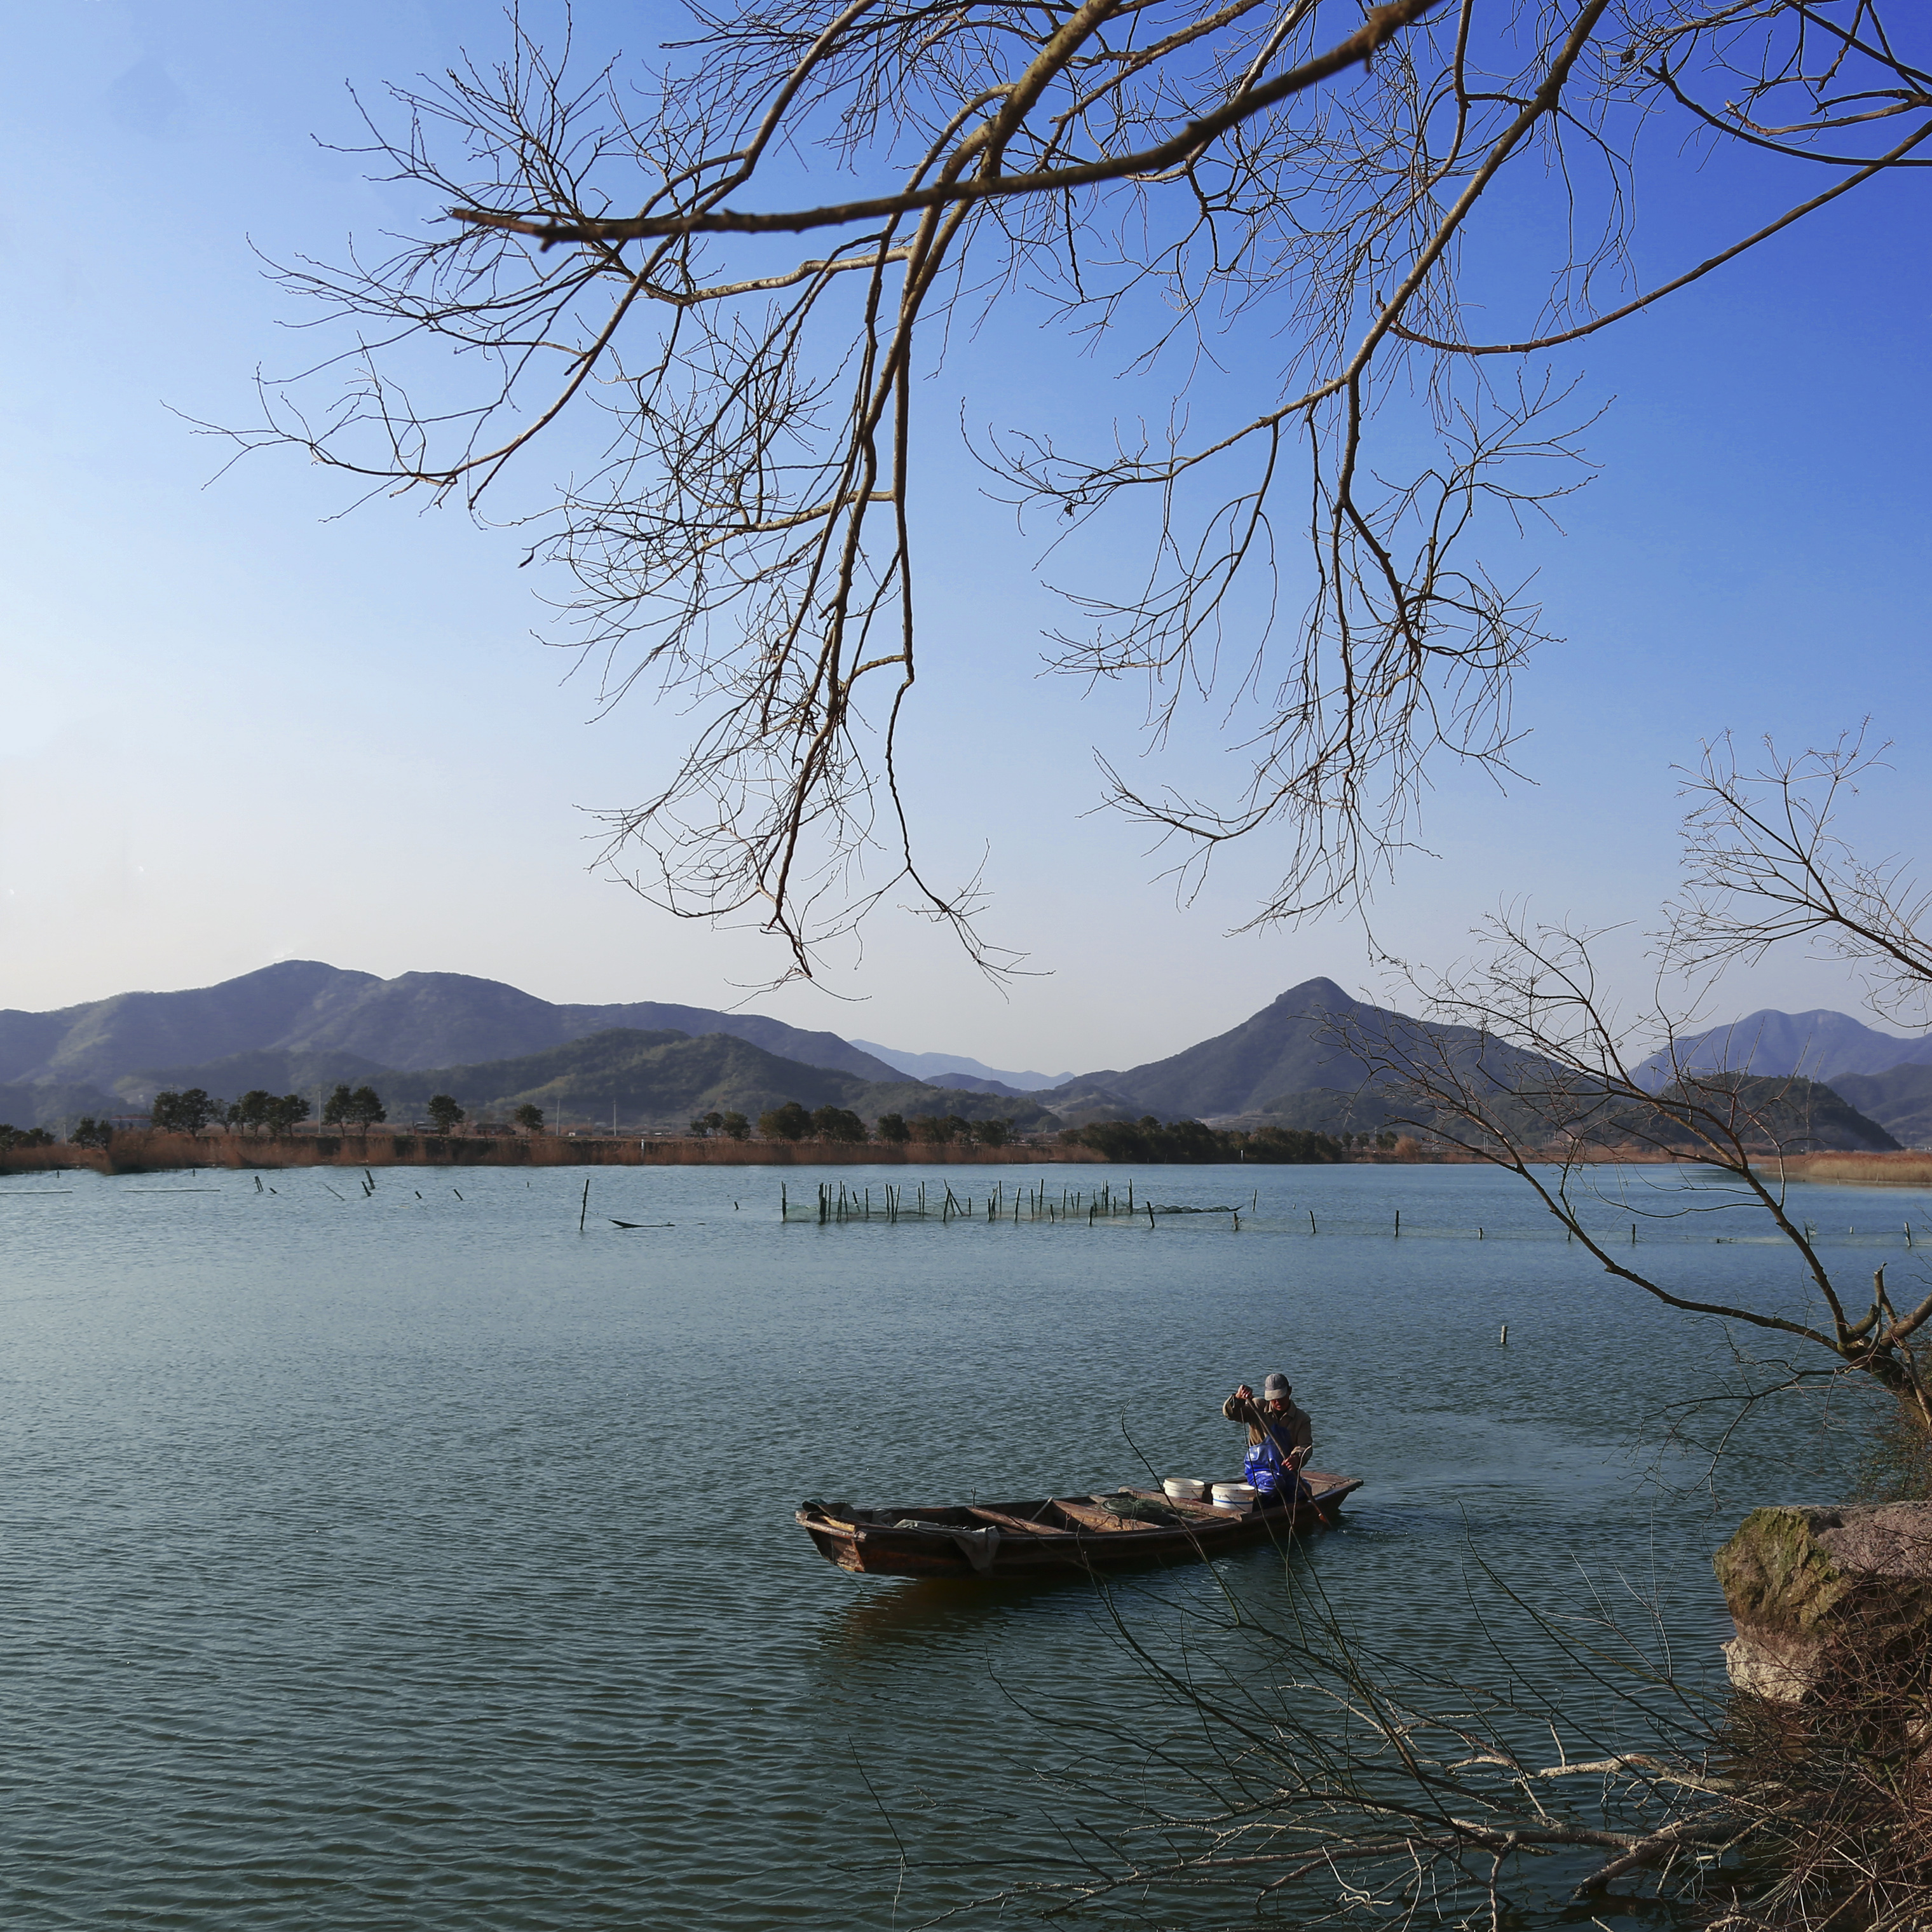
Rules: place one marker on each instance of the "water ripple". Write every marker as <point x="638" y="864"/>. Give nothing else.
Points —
<point x="375" y="1564"/>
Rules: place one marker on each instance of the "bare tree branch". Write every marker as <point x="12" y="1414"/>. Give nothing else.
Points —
<point x="1765" y="863"/>
<point x="1519" y="1061"/>
<point x="1278" y="188"/>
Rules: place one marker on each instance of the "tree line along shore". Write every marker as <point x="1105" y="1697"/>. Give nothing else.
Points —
<point x="141" y="1150"/>
<point x="135" y="1150"/>
<point x="144" y="1150"/>
<point x="193" y="1128"/>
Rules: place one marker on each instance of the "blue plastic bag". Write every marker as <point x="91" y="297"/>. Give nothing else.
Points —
<point x="1269" y="1474"/>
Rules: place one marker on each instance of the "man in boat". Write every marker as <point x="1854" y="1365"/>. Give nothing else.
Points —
<point x="1279" y="1435"/>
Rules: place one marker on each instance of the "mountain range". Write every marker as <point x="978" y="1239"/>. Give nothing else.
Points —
<point x="302" y="1026"/>
<point x="1885" y="1076"/>
<point x="1821" y="1045"/>
<point x="417" y="1019"/>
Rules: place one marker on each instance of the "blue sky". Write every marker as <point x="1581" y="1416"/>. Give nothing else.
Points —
<point x="238" y="727"/>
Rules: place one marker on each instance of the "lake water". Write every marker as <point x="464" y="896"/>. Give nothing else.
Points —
<point x="413" y="1560"/>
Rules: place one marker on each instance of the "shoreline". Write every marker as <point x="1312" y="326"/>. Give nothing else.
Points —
<point x="139" y="1151"/>
<point x="145" y="1151"/>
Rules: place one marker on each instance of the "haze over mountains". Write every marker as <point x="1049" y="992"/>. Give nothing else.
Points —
<point x="302" y="1026"/>
<point x="960" y="1069"/>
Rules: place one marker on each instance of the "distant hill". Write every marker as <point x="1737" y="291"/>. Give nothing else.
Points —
<point x="1900" y="1100"/>
<point x="417" y="1019"/>
<point x="655" y="1078"/>
<point x="1291" y="1065"/>
<point x="1088" y="1097"/>
<point x="1821" y="1045"/>
<point x="973" y="1083"/>
<point x="939" y="1067"/>
<point x="98" y="1043"/>
<point x="1791" y="1113"/>
<point x="666" y="1079"/>
<point x="276" y="1069"/>
<point x="55" y="1106"/>
<point x="1290" y="1046"/>
<point x="1326" y="1110"/>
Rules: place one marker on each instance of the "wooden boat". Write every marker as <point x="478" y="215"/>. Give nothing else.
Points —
<point x="1055" y="1536"/>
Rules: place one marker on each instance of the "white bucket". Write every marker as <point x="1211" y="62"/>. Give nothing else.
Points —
<point x="1184" y="1488"/>
<point x="1235" y="1495"/>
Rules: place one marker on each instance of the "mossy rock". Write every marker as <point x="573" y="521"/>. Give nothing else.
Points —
<point x="1800" y="1578"/>
<point x="1775" y="1572"/>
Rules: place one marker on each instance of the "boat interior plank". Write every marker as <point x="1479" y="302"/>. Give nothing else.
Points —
<point x="1091" y="1516"/>
<point x="1000" y="1519"/>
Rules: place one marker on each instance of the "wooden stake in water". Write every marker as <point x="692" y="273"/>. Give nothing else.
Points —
<point x="584" y="1207"/>
<point x="1505" y="1336"/>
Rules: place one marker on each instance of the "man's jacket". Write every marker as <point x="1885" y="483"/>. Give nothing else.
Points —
<point x="1290" y="1430"/>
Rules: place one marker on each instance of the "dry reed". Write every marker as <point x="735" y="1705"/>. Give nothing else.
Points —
<point x="1910" y="1169"/>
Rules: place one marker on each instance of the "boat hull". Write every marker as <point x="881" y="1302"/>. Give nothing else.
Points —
<point x="1054" y="1536"/>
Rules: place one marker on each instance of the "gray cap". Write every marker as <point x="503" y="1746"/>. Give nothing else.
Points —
<point x="1275" y="1389"/>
